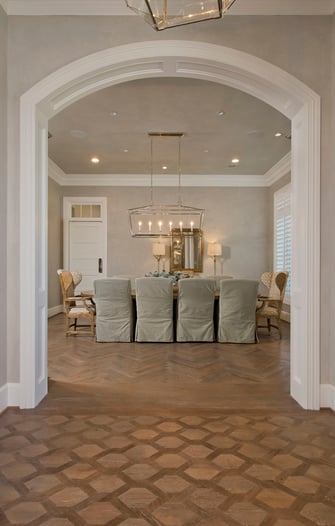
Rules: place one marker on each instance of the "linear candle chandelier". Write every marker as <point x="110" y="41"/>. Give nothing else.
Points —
<point x="162" y="14"/>
<point x="158" y="220"/>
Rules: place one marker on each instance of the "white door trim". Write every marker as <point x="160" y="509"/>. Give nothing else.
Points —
<point x="203" y="61"/>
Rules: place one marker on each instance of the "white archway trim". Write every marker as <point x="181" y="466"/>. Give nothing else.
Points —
<point x="186" y="59"/>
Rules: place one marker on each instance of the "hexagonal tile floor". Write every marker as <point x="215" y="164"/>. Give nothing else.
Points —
<point x="252" y="468"/>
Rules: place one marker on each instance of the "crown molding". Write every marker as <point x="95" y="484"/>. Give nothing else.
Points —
<point x="119" y="8"/>
<point x="4" y="5"/>
<point x="56" y="173"/>
<point x="125" y="180"/>
<point x="278" y="170"/>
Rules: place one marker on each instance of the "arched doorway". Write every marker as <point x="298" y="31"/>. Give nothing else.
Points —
<point x="158" y="59"/>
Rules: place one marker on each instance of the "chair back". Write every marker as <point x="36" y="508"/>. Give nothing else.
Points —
<point x="114" y="310"/>
<point x="275" y="283"/>
<point x="217" y="278"/>
<point x="68" y="282"/>
<point x="237" y="311"/>
<point x="154" y="307"/>
<point x="195" y="318"/>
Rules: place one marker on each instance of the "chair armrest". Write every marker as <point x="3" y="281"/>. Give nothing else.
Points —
<point x="267" y="298"/>
<point x="87" y="294"/>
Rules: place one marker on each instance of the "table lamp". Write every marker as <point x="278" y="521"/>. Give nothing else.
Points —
<point x="214" y="250"/>
<point x="158" y="251"/>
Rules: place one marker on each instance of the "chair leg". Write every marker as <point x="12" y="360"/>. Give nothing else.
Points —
<point x="279" y="329"/>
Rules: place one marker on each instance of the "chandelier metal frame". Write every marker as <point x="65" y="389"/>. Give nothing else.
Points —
<point x="158" y="220"/>
<point x="163" y="14"/>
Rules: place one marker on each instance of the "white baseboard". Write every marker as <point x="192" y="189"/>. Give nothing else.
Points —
<point x="55" y="310"/>
<point x="285" y="316"/>
<point x="327" y="396"/>
<point x="9" y="396"/>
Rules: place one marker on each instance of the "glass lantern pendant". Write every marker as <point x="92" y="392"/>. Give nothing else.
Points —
<point x="162" y="14"/>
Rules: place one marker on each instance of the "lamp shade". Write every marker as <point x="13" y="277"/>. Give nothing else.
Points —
<point x="158" y="249"/>
<point x="214" y="249"/>
<point x="161" y="14"/>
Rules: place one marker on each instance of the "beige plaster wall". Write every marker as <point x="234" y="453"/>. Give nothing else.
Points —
<point x="234" y="217"/>
<point x="55" y="241"/>
<point x="300" y="45"/>
<point x="3" y="191"/>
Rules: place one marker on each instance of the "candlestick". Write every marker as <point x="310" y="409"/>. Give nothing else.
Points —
<point x="170" y="226"/>
<point x="181" y="226"/>
<point x="192" y="223"/>
<point x="139" y="226"/>
<point x="149" y="224"/>
<point x="160" y="225"/>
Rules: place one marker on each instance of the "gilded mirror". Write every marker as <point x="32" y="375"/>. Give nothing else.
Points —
<point x="186" y="250"/>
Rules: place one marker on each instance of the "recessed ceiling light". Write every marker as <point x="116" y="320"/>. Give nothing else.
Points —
<point x="278" y="134"/>
<point x="113" y="113"/>
<point x="164" y="167"/>
<point x="206" y="151"/>
<point x="221" y="113"/>
<point x="95" y="160"/>
<point x="78" y="134"/>
<point x="235" y="160"/>
<point x="125" y="150"/>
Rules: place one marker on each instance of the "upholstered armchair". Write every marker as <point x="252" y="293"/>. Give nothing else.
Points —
<point x="76" y="306"/>
<point x="270" y="305"/>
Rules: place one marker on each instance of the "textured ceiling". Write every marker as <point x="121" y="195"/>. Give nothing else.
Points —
<point x="246" y="130"/>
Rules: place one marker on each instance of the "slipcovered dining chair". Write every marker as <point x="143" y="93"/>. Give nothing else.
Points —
<point x="154" y="307"/>
<point x="237" y="311"/>
<point x="195" y="313"/>
<point x="76" y="306"/>
<point x="271" y="302"/>
<point x="114" y="310"/>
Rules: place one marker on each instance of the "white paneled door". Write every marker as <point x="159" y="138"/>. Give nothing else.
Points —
<point x="85" y="239"/>
<point x="86" y="251"/>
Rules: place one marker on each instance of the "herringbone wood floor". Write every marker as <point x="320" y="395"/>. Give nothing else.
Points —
<point x="167" y="435"/>
<point x="141" y="377"/>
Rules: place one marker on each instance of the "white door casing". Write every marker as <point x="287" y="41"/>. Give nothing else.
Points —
<point x="193" y="60"/>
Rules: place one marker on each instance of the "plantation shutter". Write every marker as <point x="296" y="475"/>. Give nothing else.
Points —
<point x="282" y="234"/>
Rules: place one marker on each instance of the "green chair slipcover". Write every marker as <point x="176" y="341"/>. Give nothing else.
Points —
<point x="154" y="307"/>
<point x="237" y="311"/>
<point x="114" y="310"/>
<point x="195" y="318"/>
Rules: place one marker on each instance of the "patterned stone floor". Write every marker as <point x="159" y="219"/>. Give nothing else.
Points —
<point x="233" y="468"/>
<point x="147" y="435"/>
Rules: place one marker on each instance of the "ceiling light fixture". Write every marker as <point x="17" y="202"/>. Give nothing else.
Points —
<point x="95" y="160"/>
<point x="278" y="134"/>
<point x="159" y="220"/>
<point x="235" y="160"/>
<point x="162" y="14"/>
